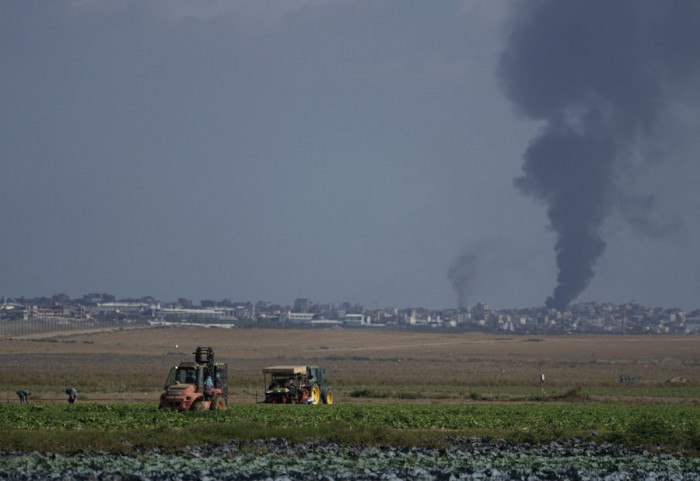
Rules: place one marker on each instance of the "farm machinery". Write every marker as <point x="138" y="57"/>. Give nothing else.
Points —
<point x="296" y="384"/>
<point x="201" y="385"/>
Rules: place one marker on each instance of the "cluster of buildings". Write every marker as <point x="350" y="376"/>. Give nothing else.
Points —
<point x="631" y="318"/>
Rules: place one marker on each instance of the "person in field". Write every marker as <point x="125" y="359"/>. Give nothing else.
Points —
<point x="23" y="395"/>
<point x="72" y="394"/>
<point x="208" y="387"/>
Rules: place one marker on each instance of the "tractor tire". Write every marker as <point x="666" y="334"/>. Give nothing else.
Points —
<point x="327" y="396"/>
<point x="197" y="406"/>
<point x="218" y="404"/>
<point x="315" y="393"/>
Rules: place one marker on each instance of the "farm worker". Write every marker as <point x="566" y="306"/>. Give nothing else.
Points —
<point x="208" y="387"/>
<point x="23" y="396"/>
<point x="72" y="394"/>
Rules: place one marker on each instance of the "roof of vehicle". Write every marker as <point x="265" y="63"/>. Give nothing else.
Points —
<point x="284" y="370"/>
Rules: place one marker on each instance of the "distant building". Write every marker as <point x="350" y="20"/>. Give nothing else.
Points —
<point x="39" y="312"/>
<point x="302" y="305"/>
<point x="123" y="308"/>
<point x="12" y="311"/>
<point x="216" y="313"/>
<point x="356" y="319"/>
<point x="183" y="302"/>
<point x="243" y="311"/>
<point x="297" y="317"/>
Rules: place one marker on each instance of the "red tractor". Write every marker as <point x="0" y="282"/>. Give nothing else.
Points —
<point x="201" y="385"/>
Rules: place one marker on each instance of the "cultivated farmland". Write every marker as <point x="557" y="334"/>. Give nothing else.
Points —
<point x="363" y="365"/>
<point x="410" y="405"/>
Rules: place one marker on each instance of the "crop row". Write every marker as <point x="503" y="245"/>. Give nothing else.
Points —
<point x="385" y="465"/>
<point x="454" y="417"/>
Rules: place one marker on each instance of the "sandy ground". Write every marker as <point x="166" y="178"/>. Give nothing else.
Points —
<point x="125" y="364"/>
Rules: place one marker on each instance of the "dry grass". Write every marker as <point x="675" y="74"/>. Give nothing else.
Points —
<point x="444" y="366"/>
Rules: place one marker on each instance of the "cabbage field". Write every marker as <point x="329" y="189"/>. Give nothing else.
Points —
<point x="464" y="458"/>
<point x="535" y="441"/>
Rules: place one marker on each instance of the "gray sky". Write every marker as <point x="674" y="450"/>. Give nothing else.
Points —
<point x="346" y="150"/>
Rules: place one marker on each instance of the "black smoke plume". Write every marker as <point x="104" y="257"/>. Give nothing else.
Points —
<point x="461" y="274"/>
<point x="598" y="74"/>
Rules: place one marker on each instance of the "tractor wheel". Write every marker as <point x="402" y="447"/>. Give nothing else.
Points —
<point x="327" y="397"/>
<point x="197" y="406"/>
<point x="218" y="403"/>
<point x="315" y="393"/>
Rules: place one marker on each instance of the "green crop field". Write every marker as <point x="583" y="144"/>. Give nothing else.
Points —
<point x="122" y="427"/>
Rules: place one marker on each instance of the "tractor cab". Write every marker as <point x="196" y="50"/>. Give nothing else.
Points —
<point x="188" y="373"/>
<point x="318" y="375"/>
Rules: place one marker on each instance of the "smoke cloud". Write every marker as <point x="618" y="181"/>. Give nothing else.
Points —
<point x="461" y="274"/>
<point x="598" y="74"/>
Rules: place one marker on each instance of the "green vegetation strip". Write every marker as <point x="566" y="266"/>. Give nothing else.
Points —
<point x="641" y="394"/>
<point x="122" y="427"/>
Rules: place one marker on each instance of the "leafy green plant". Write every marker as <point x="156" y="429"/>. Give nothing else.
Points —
<point x="50" y="426"/>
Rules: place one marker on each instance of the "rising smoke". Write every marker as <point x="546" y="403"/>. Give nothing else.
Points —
<point x="598" y="74"/>
<point x="461" y="274"/>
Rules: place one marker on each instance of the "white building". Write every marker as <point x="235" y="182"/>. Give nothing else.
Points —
<point x="298" y="317"/>
<point x="188" y="313"/>
<point x="355" y="319"/>
<point x="123" y="307"/>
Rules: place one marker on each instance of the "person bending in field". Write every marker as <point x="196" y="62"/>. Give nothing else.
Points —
<point x="72" y="394"/>
<point x="23" y="396"/>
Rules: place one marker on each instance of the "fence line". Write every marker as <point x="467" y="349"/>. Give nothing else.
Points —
<point x="20" y="327"/>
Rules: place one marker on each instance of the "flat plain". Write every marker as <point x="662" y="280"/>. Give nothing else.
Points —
<point x="363" y="365"/>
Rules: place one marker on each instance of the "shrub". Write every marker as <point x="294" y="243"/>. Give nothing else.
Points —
<point x="369" y="393"/>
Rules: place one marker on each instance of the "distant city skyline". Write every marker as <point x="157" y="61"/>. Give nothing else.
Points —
<point x="101" y="310"/>
<point x="381" y="153"/>
<point x="295" y="304"/>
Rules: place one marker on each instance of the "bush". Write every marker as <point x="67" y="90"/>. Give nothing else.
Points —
<point x="570" y="395"/>
<point x="409" y="395"/>
<point x="369" y="393"/>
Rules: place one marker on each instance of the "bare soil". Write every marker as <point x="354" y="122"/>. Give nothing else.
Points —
<point x="131" y="364"/>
